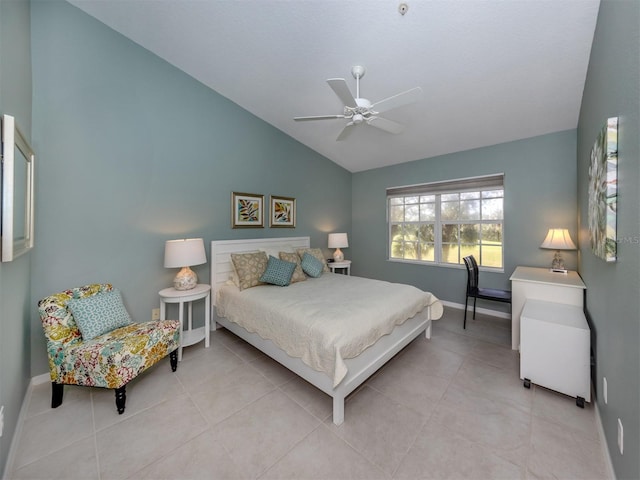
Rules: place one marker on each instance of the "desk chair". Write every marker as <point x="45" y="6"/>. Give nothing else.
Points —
<point x="473" y="290"/>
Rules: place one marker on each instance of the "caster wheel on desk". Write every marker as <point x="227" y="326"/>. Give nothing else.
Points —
<point x="580" y="402"/>
<point x="527" y="383"/>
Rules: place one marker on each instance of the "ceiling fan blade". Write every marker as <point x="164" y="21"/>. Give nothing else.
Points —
<point x="340" y="87"/>
<point x="386" y="125"/>
<point x="399" y="100"/>
<point x="346" y="131"/>
<point x="317" y="117"/>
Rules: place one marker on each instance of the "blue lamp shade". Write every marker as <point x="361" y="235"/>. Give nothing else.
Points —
<point x="182" y="254"/>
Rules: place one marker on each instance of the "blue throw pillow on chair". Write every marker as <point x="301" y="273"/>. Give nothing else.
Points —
<point x="99" y="314"/>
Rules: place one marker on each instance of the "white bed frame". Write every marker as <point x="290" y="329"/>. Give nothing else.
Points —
<point x="359" y="368"/>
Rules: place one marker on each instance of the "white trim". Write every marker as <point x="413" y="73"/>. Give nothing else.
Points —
<point x="611" y="474"/>
<point x="40" y="379"/>
<point x="13" y="446"/>
<point x="484" y="311"/>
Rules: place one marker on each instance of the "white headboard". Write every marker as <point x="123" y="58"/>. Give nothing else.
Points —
<point x="221" y="251"/>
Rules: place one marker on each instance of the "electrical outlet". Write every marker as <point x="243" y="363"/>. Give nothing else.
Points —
<point x="1" y="419"/>
<point x="620" y="437"/>
<point x="155" y="314"/>
<point x="604" y="389"/>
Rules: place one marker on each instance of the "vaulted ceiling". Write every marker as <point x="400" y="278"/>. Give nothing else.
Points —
<point x="491" y="71"/>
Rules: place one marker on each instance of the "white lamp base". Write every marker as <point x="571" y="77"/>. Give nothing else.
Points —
<point x="186" y="279"/>
<point x="338" y="256"/>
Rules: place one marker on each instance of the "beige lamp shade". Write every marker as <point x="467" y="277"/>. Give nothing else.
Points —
<point x="338" y="241"/>
<point x="183" y="254"/>
<point x="558" y="239"/>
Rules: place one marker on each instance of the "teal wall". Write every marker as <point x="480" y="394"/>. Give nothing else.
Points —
<point x="613" y="304"/>
<point x="15" y="309"/>
<point x="134" y="152"/>
<point x="540" y="193"/>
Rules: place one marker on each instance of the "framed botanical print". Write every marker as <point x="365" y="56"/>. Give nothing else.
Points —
<point x="247" y="210"/>
<point x="603" y="192"/>
<point x="283" y="212"/>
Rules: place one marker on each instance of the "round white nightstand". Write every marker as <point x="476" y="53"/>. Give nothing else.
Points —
<point x="189" y="336"/>
<point x="343" y="265"/>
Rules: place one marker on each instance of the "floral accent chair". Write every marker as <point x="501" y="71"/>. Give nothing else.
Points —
<point x="105" y="349"/>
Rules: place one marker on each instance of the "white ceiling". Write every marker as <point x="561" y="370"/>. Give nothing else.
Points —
<point x="492" y="71"/>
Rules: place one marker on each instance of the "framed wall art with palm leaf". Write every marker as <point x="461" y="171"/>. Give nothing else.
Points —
<point x="247" y="210"/>
<point x="603" y="192"/>
<point x="283" y="212"/>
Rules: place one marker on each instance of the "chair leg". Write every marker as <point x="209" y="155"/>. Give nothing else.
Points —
<point x="466" y="301"/>
<point x="474" y="307"/>
<point x="57" y="389"/>
<point x="173" y="358"/>
<point x="121" y="399"/>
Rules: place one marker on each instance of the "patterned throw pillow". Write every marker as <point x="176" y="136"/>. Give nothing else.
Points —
<point x="316" y="252"/>
<point x="278" y="272"/>
<point x="311" y="265"/>
<point x="249" y="267"/>
<point x="99" y="313"/>
<point x="298" y="274"/>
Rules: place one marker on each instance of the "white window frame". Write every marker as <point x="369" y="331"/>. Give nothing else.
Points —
<point x="471" y="184"/>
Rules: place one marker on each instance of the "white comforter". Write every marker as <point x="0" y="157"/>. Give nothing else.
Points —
<point x="325" y="320"/>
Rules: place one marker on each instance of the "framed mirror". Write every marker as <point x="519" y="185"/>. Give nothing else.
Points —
<point x="17" y="192"/>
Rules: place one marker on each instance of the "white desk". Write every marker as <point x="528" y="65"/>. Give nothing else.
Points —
<point x="541" y="284"/>
<point x="190" y="336"/>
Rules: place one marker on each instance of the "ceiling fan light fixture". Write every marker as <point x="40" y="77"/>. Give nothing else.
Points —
<point x="359" y="110"/>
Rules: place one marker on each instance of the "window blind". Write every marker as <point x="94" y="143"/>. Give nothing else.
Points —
<point x="486" y="182"/>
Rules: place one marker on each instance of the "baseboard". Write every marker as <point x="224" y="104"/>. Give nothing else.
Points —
<point x="40" y="379"/>
<point x="13" y="447"/>
<point x="484" y="311"/>
<point x="611" y="474"/>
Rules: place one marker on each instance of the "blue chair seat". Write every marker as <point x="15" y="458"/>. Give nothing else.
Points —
<point x="493" y="294"/>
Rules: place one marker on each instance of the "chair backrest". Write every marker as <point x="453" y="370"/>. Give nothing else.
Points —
<point x="57" y="322"/>
<point x="472" y="272"/>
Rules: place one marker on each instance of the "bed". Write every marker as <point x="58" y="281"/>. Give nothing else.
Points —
<point x="334" y="361"/>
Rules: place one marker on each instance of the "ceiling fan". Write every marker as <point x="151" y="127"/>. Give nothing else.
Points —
<point x="359" y="110"/>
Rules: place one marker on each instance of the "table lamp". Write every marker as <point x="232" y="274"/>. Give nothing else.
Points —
<point x="183" y="254"/>
<point x="338" y="241"/>
<point x="558" y="239"/>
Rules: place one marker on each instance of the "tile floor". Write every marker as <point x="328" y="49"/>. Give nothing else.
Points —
<point x="452" y="407"/>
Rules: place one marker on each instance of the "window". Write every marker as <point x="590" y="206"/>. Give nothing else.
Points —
<point x="441" y="223"/>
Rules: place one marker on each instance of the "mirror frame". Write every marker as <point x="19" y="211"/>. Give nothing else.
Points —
<point x="15" y="243"/>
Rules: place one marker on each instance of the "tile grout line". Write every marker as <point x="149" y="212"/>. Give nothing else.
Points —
<point x="95" y="434"/>
<point x="437" y="404"/>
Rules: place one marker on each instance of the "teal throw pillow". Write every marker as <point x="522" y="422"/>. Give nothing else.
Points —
<point x="278" y="272"/>
<point x="99" y="314"/>
<point x="311" y="265"/>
